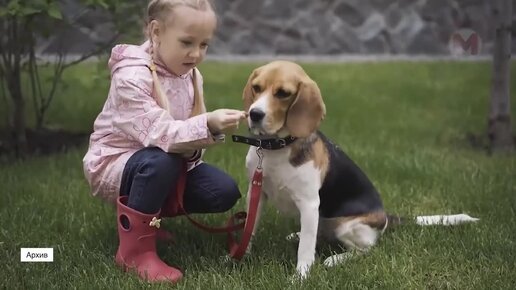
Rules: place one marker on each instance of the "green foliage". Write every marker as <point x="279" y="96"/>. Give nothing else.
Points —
<point x="125" y="15"/>
<point x="18" y="8"/>
<point x="24" y="24"/>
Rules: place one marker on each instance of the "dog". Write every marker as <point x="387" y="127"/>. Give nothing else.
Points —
<point x="305" y="173"/>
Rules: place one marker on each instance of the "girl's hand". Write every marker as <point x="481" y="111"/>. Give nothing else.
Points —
<point x="224" y="120"/>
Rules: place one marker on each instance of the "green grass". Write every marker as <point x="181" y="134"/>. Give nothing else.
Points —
<point x="403" y="123"/>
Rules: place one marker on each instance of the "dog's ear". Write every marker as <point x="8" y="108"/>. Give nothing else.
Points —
<point x="307" y="111"/>
<point x="248" y="94"/>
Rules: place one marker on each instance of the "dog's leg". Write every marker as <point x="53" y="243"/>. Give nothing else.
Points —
<point x="309" y="212"/>
<point x="356" y="246"/>
<point x="338" y="259"/>
<point x="357" y="236"/>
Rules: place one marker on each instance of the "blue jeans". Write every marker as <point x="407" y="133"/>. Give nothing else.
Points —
<point x="151" y="174"/>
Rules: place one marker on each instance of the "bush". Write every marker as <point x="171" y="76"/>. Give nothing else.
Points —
<point x="29" y="23"/>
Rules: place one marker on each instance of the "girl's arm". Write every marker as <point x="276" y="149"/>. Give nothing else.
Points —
<point x="139" y="116"/>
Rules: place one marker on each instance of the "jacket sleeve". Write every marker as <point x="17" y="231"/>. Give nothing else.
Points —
<point x="139" y="116"/>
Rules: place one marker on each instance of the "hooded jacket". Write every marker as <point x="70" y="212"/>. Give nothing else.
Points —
<point x="131" y="119"/>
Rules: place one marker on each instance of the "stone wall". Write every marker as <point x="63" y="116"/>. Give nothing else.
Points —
<point x="322" y="27"/>
<point x="349" y="26"/>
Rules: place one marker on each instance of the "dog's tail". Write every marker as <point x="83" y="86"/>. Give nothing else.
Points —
<point x="428" y="220"/>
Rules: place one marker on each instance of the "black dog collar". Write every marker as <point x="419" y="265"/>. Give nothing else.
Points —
<point x="269" y="144"/>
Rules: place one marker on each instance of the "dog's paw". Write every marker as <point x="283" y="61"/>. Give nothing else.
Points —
<point x="301" y="272"/>
<point x="298" y="278"/>
<point x="293" y="237"/>
<point x="295" y="278"/>
<point x="337" y="259"/>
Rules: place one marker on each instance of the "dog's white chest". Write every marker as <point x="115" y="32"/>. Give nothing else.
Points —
<point x="278" y="186"/>
<point x="285" y="185"/>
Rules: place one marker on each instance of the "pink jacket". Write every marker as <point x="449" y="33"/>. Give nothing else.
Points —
<point x="131" y="119"/>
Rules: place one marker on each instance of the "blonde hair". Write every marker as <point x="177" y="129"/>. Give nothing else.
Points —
<point x="159" y="10"/>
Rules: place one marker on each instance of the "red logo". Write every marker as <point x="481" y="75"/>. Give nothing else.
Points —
<point x="465" y="42"/>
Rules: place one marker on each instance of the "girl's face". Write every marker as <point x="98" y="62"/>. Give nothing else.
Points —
<point x="181" y="42"/>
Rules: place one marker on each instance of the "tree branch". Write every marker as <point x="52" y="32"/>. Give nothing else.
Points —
<point x="11" y="42"/>
<point x="78" y="16"/>
<point x="35" y="94"/>
<point x="6" y="101"/>
<point x="16" y="50"/>
<point x="94" y="52"/>
<point x="2" y="69"/>
<point x="3" y="50"/>
<point x="45" y="102"/>
<point x="8" y="51"/>
<point x="58" y="72"/>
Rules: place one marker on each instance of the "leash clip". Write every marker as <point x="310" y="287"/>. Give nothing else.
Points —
<point x="260" y="156"/>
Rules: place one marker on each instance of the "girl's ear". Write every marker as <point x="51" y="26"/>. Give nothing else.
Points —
<point x="154" y="31"/>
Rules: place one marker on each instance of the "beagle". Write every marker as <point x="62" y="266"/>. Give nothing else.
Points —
<point x="307" y="174"/>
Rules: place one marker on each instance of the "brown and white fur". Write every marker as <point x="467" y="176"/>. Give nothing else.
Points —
<point x="312" y="177"/>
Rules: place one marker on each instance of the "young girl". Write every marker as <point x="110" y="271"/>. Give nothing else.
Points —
<point x="154" y="119"/>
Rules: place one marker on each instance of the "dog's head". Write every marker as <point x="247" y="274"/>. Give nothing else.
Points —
<point x="282" y="100"/>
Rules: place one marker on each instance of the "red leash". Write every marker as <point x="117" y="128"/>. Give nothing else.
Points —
<point x="245" y="220"/>
<point x="237" y="251"/>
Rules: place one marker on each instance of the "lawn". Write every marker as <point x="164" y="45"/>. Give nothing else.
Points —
<point x="405" y="124"/>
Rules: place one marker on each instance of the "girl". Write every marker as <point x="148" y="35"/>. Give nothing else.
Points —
<point x="154" y="119"/>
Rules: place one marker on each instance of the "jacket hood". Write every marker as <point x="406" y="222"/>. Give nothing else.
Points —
<point x="123" y="55"/>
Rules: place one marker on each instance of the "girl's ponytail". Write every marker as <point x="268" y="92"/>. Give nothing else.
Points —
<point x="162" y="99"/>
<point x="198" y="106"/>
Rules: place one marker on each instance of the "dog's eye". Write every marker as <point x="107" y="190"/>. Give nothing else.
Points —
<point x="281" y="93"/>
<point x="257" y="88"/>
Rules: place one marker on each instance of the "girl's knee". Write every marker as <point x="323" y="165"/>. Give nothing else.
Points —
<point x="229" y="196"/>
<point x="153" y="179"/>
<point x="162" y="163"/>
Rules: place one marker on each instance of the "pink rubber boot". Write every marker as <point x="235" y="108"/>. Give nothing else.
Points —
<point x="137" y="247"/>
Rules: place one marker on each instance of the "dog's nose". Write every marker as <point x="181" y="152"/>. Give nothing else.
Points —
<point x="256" y="115"/>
